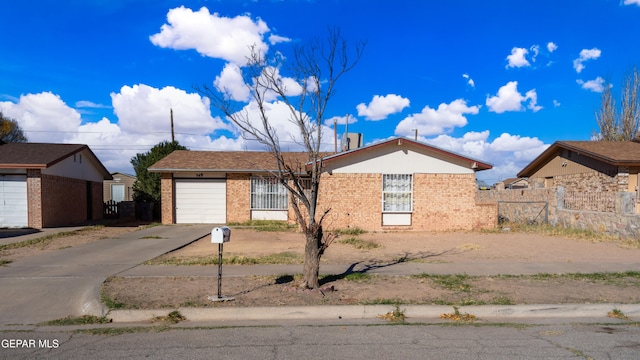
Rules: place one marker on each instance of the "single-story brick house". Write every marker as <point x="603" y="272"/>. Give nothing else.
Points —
<point x="394" y="184"/>
<point x="587" y="166"/>
<point x="49" y="185"/>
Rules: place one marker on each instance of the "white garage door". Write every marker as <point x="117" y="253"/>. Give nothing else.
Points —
<point x="13" y="201"/>
<point x="201" y="201"/>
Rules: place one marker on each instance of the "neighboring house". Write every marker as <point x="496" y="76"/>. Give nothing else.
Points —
<point x="602" y="167"/>
<point x="48" y="185"/>
<point x="515" y="183"/>
<point x="393" y="184"/>
<point x="120" y="188"/>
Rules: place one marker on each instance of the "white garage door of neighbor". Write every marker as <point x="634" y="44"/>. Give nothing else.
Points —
<point x="13" y="201"/>
<point x="201" y="201"/>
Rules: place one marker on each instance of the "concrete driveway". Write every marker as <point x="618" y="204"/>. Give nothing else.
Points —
<point x="67" y="282"/>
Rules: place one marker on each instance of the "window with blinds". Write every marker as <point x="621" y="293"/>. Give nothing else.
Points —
<point x="397" y="192"/>
<point x="268" y="194"/>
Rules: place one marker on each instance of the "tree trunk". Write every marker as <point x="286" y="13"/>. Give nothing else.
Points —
<point x="312" y="254"/>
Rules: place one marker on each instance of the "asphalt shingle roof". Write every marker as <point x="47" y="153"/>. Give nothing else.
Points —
<point x="35" y="155"/>
<point x="617" y="153"/>
<point x="185" y="160"/>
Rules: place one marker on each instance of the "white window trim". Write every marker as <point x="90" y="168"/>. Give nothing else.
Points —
<point x="410" y="176"/>
<point x="273" y="200"/>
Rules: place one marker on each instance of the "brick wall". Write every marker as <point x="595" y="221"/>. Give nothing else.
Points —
<point x="167" y="199"/>
<point x="447" y="202"/>
<point x="238" y="197"/>
<point x="34" y="198"/>
<point x="59" y="201"/>
<point x="64" y="201"/>
<point x="441" y="202"/>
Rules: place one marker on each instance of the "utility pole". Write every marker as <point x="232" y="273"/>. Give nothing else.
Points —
<point x="173" y="137"/>
<point x="416" y="134"/>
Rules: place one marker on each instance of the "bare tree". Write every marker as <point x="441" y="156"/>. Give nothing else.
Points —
<point x="606" y="117"/>
<point x="629" y="114"/>
<point x="316" y="67"/>
<point x="622" y="124"/>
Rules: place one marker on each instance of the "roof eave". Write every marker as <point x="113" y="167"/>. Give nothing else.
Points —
<point x="474" y="164"/>
<point x="23" y="166"/>
<point x="173" y="170"/>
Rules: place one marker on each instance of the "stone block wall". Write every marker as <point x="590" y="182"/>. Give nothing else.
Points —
<point x="622" y="222"/>
<point x="522" y="205"/>
<point x="593" y="182"/>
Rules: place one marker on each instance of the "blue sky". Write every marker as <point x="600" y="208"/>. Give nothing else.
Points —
<point x="498" y="81"/>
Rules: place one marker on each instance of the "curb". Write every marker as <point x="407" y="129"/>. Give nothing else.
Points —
<point x="359" y="312"/>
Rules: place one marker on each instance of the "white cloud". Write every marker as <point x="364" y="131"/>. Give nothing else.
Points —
<point x="275" y="39"/>
<point x="535" y="49"/>
<point x="340" y="120"/>
<point x="533" y="100"/>
<point x="551" y="46"/>
<point x="437" y="121"/>
<point x="90" y="104"/>
<point x="143" y="109"/>
<point x="288" y="133"/>
<point x="585" y="54"/>
<point x="290" y="86"/>
<point x="470" y="81"/>
<point x="44" y="117"/>
<point x="518" y="58"/>
<point x="556" y="103"/>
<point x="212" y="35"/>
<point x="382" y="106"/>
<point x="508" y="153"/>
<point x="510" y="99"/>
<point x="595" y="85"/>
<point x="231" y="83"/>
<point x="143" y="120"/>
<point x="632" y="2"/>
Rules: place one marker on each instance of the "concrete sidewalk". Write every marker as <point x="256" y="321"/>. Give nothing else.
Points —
<point x="406" y="268"/>
<point x="67" y="282"/>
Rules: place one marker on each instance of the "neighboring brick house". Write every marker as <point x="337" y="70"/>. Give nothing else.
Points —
<point x="49" y="185"/>
<point x="594" y="167"/>
<point x="394" y="184"/>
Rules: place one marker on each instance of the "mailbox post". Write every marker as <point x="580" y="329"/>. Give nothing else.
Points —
<point x="220" y="235"/>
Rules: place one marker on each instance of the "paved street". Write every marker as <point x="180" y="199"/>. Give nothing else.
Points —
<point x="290" y="341"/>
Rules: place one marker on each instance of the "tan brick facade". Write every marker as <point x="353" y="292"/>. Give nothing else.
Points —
<point x="167" y="199"/>
<point x="238" y="197"/>
<point x="34" y="198"/>
<point x="440" y="202"/>
<point x="57" y="201"/>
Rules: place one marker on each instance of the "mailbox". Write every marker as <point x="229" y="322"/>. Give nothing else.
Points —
<point x="220" y="235"/>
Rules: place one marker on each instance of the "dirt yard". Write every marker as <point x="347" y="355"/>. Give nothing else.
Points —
<point x="451" y="248"/>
